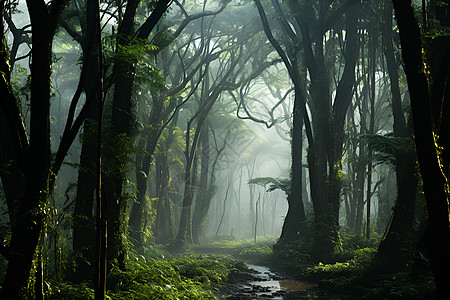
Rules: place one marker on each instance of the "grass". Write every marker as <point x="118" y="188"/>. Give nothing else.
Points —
<point x="244" y="249"/>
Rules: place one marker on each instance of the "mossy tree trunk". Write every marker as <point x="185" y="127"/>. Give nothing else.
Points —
<point x="120" y="140"/>
<point x="435" y="184"/>
<point x="33" y="157"/>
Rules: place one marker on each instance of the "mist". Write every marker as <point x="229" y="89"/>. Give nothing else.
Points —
<point x="224" y="149"/>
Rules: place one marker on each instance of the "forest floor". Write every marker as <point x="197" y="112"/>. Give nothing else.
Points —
<point x="263" y="278"/>
<point x="291" y="274"/>
<point x="262" y="283"/>
<point x="243" y="269"/>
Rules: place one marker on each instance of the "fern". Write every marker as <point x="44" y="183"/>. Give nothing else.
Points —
<point x="283" y="184"/>
<point x="389" y="149"/>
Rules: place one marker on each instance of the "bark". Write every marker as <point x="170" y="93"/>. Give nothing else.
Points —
<point x="12" y="178"/>
<point x="116" y="156"/>
<point x="329" y="144"/>
<point x="37" y="161"/>
<point x="164" y="216"/>
<point x="122" y="123"/>
<point x="384" y="202"/>
<point x="358" y="188"/>
<point x="438" y="60"/>
<point x="184" y="235"/>
<point x="163" y="223"/>
<point x="296" y="212"/>
<point x="225" y="80"/>
<point x="251" y="188"/>
<point x="392" y="248"/>
<point x="204" y="198"/>
<point x="372" y="67"/>
<point x="34" y="159"/>
<point x="142" y="172"/>
<point x="143" y="169"/>
<point x="434" y="181"/>
<point x="83" y="219"/>
<point x="352" y="146"/>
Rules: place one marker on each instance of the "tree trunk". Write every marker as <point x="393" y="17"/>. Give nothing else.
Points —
<point x="326" y="239"/>
<point x="296" y="212"/>
<point x="372" y="70"/>
<point x="184" y="235"/>
<point x="28" y="227"/>
<point x="136" y="220"/>
<point x="434" y="181"/>
<point x="122" y="123"/>
<point x="83" y="221"/>
<point x="392" y="248"/>
<point x="204" y="198"/>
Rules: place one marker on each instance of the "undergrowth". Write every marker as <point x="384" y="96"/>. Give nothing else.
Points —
<point x="362" y="277"/>
<point x="186" y="277"/>
<point x="246" y="249"/>
<point x="355" y="270"/>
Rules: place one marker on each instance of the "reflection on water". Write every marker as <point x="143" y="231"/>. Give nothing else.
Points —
<point x="268" y="283"/>
<point x="270" y="286"/>
<point x="295" y="285"/>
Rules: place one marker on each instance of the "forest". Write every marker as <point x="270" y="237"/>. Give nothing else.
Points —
<point x="224" y="149"/>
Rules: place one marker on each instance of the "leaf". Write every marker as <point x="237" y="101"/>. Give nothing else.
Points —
<point x="389" y="148"/>
<point x="283" y="184"/>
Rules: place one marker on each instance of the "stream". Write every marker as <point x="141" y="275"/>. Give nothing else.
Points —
<point x="262" y="283"/>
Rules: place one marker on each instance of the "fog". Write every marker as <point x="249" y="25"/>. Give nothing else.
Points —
<point x="131" y="126"/>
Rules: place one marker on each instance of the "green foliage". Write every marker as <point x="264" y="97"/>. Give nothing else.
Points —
<point x="399" y="286"/>
<point x="359" y="260"/>
<point x="283" y="184"/>
<point x="163" y="38"/>
<point x="118" y="154"/>
<point x="255" y="253"/>
<point x="246" y="249"/>
<point x="352" y="241"/>
<point x="293" y="255"/>
<point x="187" y="277"/>
<point x="389" y="149"/>
<point x="359" y="276"/>
<point x="66" y="290"/>
<point x="20" y="82"/>
<point x="135" y="52"/>
<point x="190" y="277"/>
<point x="435" y="33"/>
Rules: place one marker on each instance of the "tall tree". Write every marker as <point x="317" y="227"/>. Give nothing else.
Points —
<point x="163" y="39"/>
<point x="83" y="219"/>
<point x="325" y="134"/>
<point x="296" y="212"/>
<point x="433" y="176"/>
<point x="401" y="226"/>
<point x="120" y="139"/>
<point x="33" y="157"/>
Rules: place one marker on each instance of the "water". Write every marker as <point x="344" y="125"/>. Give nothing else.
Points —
<point x="271" y="285"/>
<point x="265" y="284"/>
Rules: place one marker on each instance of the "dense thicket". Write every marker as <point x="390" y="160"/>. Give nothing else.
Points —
<point x="127" y="124"/>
